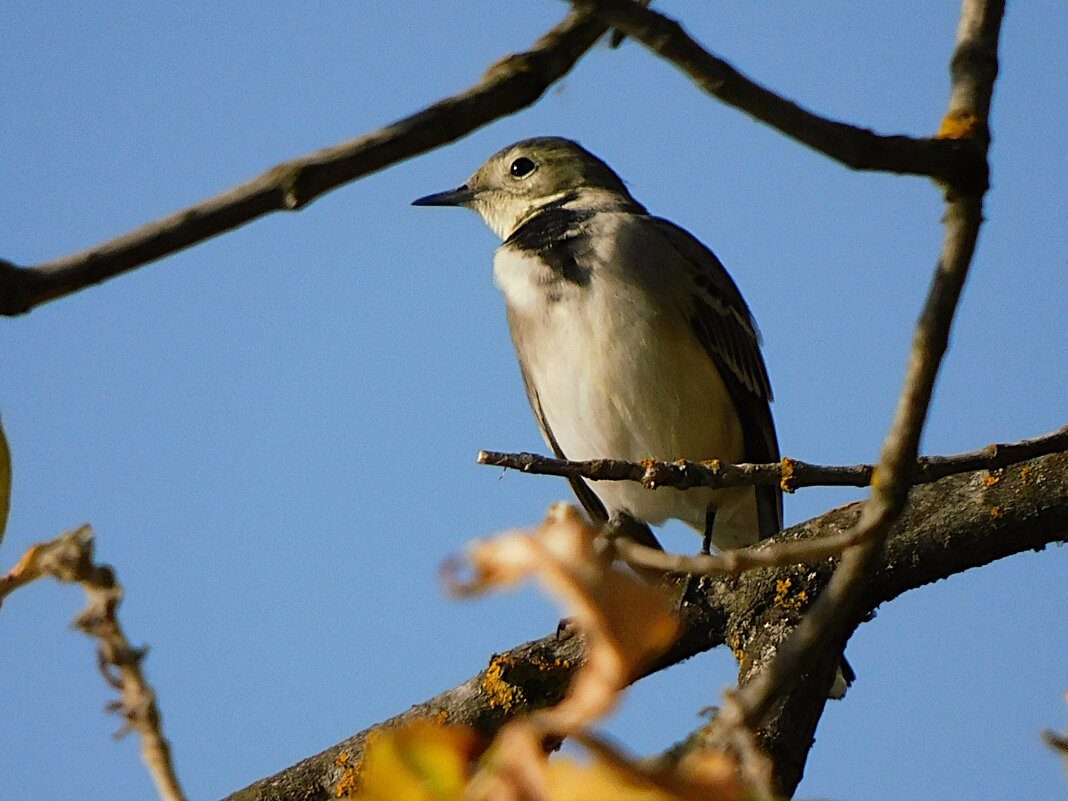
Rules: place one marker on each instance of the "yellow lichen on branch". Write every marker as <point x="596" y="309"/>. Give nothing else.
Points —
<point x="783" y="598"/>
<point x="960" y="124"/>
<point x="787" y="480"/>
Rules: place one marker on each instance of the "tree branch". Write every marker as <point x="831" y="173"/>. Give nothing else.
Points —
<point x="958" y="159"/>
<point x="949" y="160"/>
<point x="69" y="558"/>
<point x="791" y="474"/>
<point x="508" y="86"/>
<point x="829" y="621"/>
<point x="949" y="526"/>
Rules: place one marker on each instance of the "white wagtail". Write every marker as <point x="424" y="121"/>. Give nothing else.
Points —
<point x="633" y="341"/>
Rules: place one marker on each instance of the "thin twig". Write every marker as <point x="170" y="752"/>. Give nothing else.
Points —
<point x="69" y="558"/>
<point x="735" y="562"/>
<point x="949" y="160"/>
<point x="510" y="85"/>
<point x="791" y="474"/>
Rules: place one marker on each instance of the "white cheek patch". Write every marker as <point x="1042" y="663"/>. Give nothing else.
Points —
<point x="500" y="212"/>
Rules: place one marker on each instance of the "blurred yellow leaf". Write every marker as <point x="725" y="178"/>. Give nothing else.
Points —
<point x="612" y="775"/>
<point x="599" y="782"/>
<point x="626" y="622"/>
<point x="420" y="761"/>
<point x="426" y="761"/>
<point x="5" y="481"/>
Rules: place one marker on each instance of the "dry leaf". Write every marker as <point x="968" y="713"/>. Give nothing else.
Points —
<point x="627" y="622"/>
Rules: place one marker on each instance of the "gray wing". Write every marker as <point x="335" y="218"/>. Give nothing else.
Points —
<point x="725" y="327"/>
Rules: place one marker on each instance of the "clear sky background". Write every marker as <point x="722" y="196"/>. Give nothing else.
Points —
<point x="274" y="433"/>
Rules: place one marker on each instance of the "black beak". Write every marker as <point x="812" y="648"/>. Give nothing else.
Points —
<point x="460" y="196"/>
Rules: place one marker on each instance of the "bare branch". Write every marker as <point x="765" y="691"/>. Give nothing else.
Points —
<point x="508" y="86"/>
<point x="950" y="160"/>
<point x="791" y="474"/>
<point x="69" y="558"/>
<point x="948" y="527"/>
<point x="735" y="562"/>
<point x="826" y="626"/>
<point x="994" y="459"/>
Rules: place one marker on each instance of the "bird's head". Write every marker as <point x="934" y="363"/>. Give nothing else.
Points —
<point x="523" y="179"/>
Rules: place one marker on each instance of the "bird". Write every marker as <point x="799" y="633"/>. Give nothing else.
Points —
<point x="633" y="341"/>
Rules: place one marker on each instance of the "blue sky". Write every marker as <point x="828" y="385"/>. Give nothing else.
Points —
<point x="274" y="433"/>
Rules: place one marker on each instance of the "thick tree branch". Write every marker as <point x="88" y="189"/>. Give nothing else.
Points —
<point x="950" y="526"/>
<point x="949" y="160"/>
<point x="510" y="85"/>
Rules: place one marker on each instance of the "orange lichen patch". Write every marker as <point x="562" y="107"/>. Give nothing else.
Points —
<point x="787" y="480"/>
<point x="508" y="680"/>
<point x="960" y="124"/>
<point x="713" y="464"/>
<point x="734" y="642"/>
<point x="783" y="599"/>
<point x="348" y="783"/>
<point x="442" y="717"/>
<point x="995" y="511"/>
<point x="350" y="776"/>
<point x="992" y="479"/>
<point x="1027" y="476"/>
<point x="502" y="694"/>
<point x="652" y="473"/>
<point x="798" y="602"/>
<point x="782" y="587"/>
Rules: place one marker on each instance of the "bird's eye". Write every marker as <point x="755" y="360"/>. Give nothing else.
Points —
<point x="522" y="167"/>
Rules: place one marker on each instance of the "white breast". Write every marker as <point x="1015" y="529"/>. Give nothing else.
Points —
<point x="620" y="376"/>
